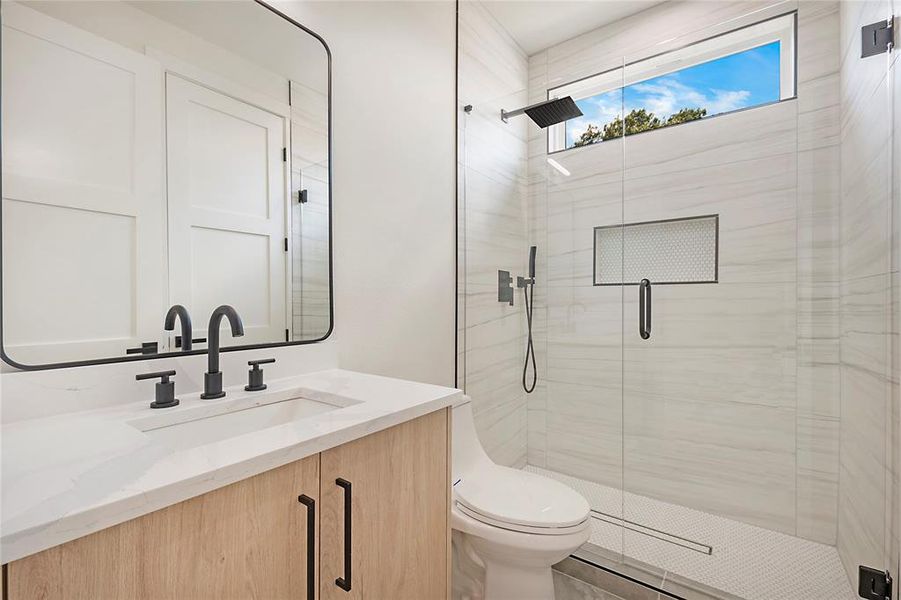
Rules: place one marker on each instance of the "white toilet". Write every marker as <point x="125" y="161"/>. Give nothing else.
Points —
<point x="509" y="525"/>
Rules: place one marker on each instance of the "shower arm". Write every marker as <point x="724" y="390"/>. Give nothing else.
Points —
<point x="506" y="114"/>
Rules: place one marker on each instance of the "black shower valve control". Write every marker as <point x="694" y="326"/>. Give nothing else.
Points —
<point x="505" y="287"/>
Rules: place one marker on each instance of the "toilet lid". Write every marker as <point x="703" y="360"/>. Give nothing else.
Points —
<point x="517" y="497"/>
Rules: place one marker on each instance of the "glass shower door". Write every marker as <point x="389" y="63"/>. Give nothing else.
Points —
<point x="711" y="311"/>
<point x="759" y="415"/>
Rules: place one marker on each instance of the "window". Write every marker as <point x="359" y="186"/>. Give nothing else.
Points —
<point x="741" y="69"/>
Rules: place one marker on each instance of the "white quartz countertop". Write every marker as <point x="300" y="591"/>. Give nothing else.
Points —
<point x="70" y="475"/>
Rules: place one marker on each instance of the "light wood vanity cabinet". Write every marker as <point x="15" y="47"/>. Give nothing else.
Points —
<point x="250" y="539"/>
<point x="399" y="514"/>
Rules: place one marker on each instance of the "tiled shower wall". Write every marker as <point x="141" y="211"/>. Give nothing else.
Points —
<point x="736" y="406"/>
<point x="310" y="298"/>
<point x="732" y="406"/>
<point x="868" y="509"/>
<point x="492" y="235"/>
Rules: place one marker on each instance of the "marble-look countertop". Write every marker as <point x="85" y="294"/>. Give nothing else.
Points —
<point x="70" y="475"/>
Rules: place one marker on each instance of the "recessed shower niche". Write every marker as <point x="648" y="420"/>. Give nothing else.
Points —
<point x="682" y="250"/>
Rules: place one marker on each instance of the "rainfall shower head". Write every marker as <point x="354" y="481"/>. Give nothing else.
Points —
<point x="547" y="113"/>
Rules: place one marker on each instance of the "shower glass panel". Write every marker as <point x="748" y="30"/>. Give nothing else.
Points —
<point x="743" y="388"/>
<point x="513" y="194"/>
<point x="709" y="416"/>
<point x="582" y="166"/>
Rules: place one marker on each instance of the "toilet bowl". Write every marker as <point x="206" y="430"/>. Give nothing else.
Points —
<point x="509" y="525"/>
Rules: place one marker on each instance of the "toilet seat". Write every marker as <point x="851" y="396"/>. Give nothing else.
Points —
<point x="520" y="501"/>
<point x="520" y="528"/>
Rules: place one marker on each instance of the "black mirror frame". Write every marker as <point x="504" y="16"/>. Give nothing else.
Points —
<point x="119" y="359"/>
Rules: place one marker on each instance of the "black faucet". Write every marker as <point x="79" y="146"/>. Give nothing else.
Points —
<point x="212" y="379"/>
<point x="181" y="313"/>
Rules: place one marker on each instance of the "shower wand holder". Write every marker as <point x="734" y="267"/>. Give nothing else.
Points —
<point x="522" y="282"/>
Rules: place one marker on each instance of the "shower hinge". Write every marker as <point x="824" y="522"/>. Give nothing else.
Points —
<point x="874" y="584"/>
<point x="876" y="38"/>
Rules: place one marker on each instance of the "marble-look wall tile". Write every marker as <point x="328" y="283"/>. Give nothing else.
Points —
<point x="492" y="184"/>
<point x="865" y="217"/>
<point x="726" y="343"/>
<point x="742" y="166"/>
<point x="866" y="394"/>
<point x="818" y="379"/>
<point x="818" y="459"/>
<point x="731" y="459"/>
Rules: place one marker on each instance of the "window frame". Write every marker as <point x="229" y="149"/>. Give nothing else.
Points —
<point x="757" y="34"/>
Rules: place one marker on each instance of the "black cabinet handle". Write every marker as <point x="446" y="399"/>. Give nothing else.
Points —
<point x="311" y="544"/>
<point x="644" y="309"/>
<point x="344" y="582"/>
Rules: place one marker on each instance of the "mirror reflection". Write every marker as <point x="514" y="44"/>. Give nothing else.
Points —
<point x="158" y="154"/>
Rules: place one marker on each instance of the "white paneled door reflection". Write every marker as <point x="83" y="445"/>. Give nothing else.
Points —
<point x="227" y="180"/>
<point x="83" y="234"/>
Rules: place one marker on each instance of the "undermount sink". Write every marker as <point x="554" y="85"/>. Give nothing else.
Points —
<point x="205" y="424"/>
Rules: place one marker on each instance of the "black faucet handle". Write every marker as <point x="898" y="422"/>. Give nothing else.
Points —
<point x="255" y="375"/>
<point x="165" y="389"/>
<point x="165" y="375"/>
<point x="262" y="361"/>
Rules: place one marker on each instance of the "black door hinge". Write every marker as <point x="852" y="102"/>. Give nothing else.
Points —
<point x="302" y="196"/>
<point x="286" y="335"/>
<point x="876" y="38"/>
<point x="286" y="244"/>
<point x="874" y="584"/>
<point x="284" y="155"/>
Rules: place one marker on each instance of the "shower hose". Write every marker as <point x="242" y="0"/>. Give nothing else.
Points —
<point x="530" y="348"/>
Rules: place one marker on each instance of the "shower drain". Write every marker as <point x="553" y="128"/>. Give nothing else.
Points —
<point x="651" y="532"/>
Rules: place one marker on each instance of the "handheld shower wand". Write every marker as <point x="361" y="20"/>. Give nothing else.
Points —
<point x="528" y="284"/>
<point x="532" y="251"/>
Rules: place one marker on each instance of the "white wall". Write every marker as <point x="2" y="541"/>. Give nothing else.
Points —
<point x="393" y="152"/>
<point x="393" y="144"/>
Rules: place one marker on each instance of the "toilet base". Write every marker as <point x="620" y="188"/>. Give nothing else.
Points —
<point x="491" y="563"/>
<point x="511" y="582"/>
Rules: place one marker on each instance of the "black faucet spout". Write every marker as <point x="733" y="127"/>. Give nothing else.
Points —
<point x="181" y="313"/>
<point x="212" y="379"/>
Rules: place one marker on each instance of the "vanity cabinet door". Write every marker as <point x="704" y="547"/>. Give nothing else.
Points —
<point x="398" y="481"/>
<point x="246" y="540"/>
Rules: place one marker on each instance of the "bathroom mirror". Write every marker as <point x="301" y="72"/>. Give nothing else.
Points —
<point x="158" y="153"/>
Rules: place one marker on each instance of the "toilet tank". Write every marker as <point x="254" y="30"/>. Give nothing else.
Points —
<point x="467" y="451"/>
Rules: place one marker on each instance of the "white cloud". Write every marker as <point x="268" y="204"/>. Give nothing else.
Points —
<point x="668" y="95"/>
<point x="726" y="100"/>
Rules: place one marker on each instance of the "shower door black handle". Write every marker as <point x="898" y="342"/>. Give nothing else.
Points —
<point x="644" y="309"/>
<point x="311" y="544"/>
<point x="344" y="582"/>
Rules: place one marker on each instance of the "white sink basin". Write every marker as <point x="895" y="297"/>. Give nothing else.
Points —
<point x="207" y="423"/>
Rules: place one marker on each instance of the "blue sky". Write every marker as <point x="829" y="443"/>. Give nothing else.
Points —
<point x="737" y="81"/>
